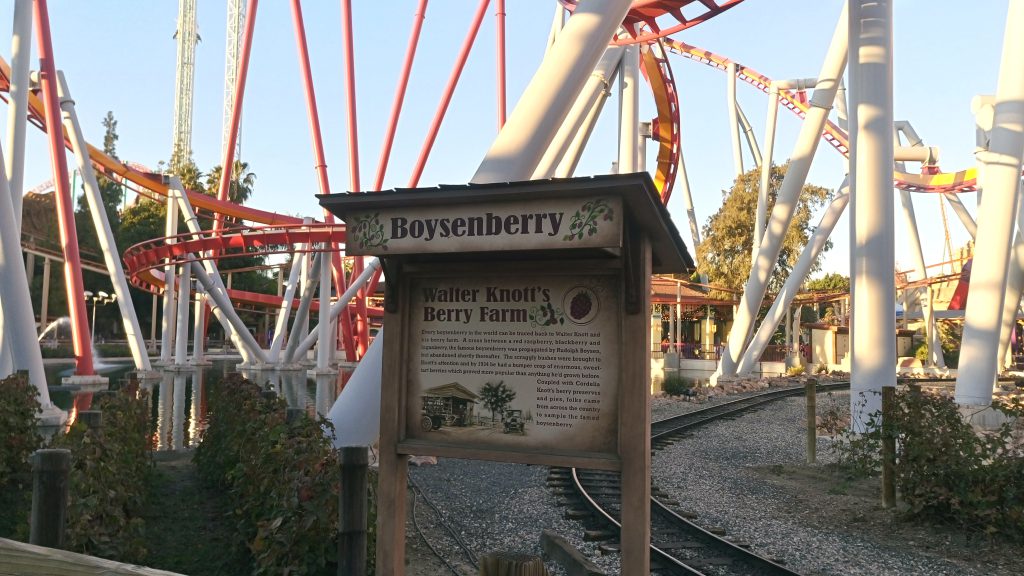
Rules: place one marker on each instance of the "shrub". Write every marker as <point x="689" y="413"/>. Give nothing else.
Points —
<point x="795" y="370"/>
<point x="282" y="480"/>
<point x="108" y="480"/>
<point x="19" y="438"/>
<point x="946" y="472"/>
<point x="676" y="385"/>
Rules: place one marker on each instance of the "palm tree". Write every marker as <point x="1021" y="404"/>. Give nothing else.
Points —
<point x="242" y="182"/>
<point x="497" y="397"/>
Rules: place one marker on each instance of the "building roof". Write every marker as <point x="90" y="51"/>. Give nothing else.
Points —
<point x="639" y="198"/>
<point x="451" y="389"/>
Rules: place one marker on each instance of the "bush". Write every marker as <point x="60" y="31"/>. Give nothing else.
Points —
<point x="676" y="385"/>
<point x="946" y="472"/>
<point x="796" y="370"/>
<point x="282" y="480"/>
<point x="108" y="480"/>
<point x="19" y="438"/>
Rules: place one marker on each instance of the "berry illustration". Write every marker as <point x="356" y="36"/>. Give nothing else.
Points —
<point x="580" y="305"/>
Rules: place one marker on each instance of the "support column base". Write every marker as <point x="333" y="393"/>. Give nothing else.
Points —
<point x="85" y="381"/>
<point x="179" y="368"/>
<point x="52" y="416"/>
<point x="328" y="372"/>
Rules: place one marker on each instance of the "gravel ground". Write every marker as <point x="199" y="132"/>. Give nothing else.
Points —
<point x="499" y="507"/>
<point x="744" y="475"/>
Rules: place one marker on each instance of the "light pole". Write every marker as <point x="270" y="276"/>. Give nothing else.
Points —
<point x="100" y="297"/>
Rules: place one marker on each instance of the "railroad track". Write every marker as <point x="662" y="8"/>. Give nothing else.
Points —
<point x="678" y="545"/>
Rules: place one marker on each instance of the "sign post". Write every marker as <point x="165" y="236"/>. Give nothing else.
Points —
<point x="517" y="331"/>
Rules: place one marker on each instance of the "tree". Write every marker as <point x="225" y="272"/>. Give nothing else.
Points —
<point x="242" y="182"/>
<point x="833" y="282"/>
<point x="497" y="397"/>
<point x="724" y="253"/>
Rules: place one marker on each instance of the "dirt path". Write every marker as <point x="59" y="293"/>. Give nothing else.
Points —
<point x="186" y="529"/>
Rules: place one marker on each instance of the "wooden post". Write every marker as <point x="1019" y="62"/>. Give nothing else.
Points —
<point x="93" y="419"/>
<point x="393" y="474"/>
<point x="811" y="393"/>
<point x="635" y="413"/>
<point x="511" y="564"/>
<point x="888" y="448"/>
<point x="50" y="469"/>
<point x="352" y="504"/>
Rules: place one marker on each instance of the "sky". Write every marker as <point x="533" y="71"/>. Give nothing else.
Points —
<point x="119" y="56"/>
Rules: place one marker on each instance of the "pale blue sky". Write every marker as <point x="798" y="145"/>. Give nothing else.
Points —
<point x="120" y="56"/>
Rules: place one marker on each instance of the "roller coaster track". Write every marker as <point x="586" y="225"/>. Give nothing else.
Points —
<point x="796" y="102"/>
<point x="678" y="545"/>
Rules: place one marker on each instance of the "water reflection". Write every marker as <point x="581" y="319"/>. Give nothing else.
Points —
<point x="178" y="407"/>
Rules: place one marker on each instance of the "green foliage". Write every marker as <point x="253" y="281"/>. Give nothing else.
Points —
<point x="282" y="479"/>
<point x="832" y="282"/>
<point x="946" y="472"/>
<point x="675" y="385"/>
<point x="796" y="370"/>
<point x="19" y="438"/>
<point x="724" y="252"/>
<point x="497" y="397"/>
<point x="108" y="480"/>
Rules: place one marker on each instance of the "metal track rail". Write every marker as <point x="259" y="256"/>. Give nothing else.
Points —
<point x="678" y="546"/>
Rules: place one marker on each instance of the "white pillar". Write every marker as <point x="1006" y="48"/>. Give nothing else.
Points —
<point x="791" y="286"/>
<point x="734" y="124"/>
<point x="199" y="327"/>
<point x="872" y="246"/>
<point x="766" y="167"/>
<point x="105" y="236"/>
<point x="223" y="311"/>
<point x="789" y="193"/>
<point x="962" y="213"/>
<point x="300" y="327"/>
<point x="1002" y="166"/>
<point x="339" y="305"/>
<point x="544" y="104"/>
<point x="571" y="157"/>
<point x="181" y="331"/>
<point x="748" y="135"/>
<point x="167" y="322"/>
<point x="629" y="110"/>
<point x="19" y="318"/>
<point x="298" y="261"/>
<point x="325" y="349"/>
<point x="684" y="184"/>
<point x="593" y="91"/>
<point x="17" y="109"/>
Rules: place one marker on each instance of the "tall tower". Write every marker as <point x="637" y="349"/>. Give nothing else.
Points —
<point x="188" y="36"/>
<point x="233" y="45"/>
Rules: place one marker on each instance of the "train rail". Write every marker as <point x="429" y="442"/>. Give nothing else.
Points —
<point x="678" y="545"/>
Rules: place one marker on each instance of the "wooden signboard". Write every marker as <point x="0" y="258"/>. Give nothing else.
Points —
<point x="516" y="329"/>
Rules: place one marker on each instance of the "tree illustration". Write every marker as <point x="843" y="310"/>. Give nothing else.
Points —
<point x="497" y="397"/>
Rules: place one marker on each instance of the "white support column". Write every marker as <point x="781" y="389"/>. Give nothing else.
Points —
<point x="734" y="124"/>
<point x="962" y="213"/>
<point x="340" y="304"/>
<point x="542" y="108"/>
<point x="748" y="135"/>
<point x="181" y="331"/>
<point x="44" y="306"/>
<point x="105" y="236"/>
<point x="593" y="91"/>
<point x="567" y="165"/>
<point x="629" y="110"/>
<point x="872" y="246"/>
<point x="223" y="312"/>
<point x="791" y="286"/>
<point x="298" y="261"/>
<point x="199" y="328"/>
<point x="16" y="303"/>
<point x="1002" y="166"/>
<point x="325" y="339"/>
<point x="789" y="193"/>
<point x="798" y="359"/>
<point x="17" y="109"/>
<point x="683" y="181"/>
<point x="300" y="327"/>
<point x="167" y="321"/>
<point x="766" y="168"/>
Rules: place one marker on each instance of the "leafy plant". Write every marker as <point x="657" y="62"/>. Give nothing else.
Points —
<point x="19" y="438"/>
<point x="947" y="472"/>
<point x="675" y="385"/>
<point x="108" y="480"/>
<point x="796" y="370"/>
<point x="497" y="396"/>
<point x="282" y="479"/>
